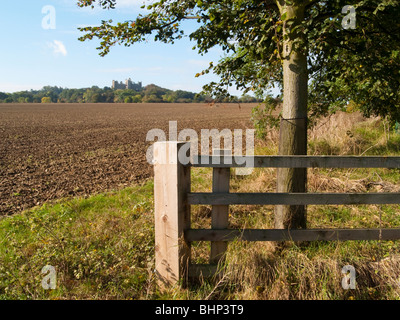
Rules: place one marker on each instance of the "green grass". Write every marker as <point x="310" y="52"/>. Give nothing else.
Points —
<point x="102" y="246"/>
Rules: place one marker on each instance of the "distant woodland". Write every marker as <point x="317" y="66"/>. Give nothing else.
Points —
<point x="150" y="93"/>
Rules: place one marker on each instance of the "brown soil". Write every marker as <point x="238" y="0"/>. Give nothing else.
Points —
<point x="52" y="151"/>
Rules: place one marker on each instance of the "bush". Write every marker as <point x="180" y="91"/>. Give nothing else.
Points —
<point x="263" y="118"/>
<point x="128" y="100"/>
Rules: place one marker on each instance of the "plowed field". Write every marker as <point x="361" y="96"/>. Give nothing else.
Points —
<point x="52" y="151"/>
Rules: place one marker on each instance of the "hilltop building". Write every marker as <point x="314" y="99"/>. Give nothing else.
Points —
<point x="127" y="85"/>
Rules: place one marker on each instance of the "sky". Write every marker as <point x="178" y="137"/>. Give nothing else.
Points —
<point x="40" y="46"/>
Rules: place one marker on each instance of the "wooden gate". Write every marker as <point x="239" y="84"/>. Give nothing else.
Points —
<point x="173" y="198"/>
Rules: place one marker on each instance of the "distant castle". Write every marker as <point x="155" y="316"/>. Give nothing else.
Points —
<point x="127" y="85"/>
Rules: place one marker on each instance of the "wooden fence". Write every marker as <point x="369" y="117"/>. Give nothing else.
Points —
<point x="173" y="198"/>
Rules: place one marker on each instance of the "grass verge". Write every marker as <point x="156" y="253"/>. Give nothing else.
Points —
<point x="101" y="247"/>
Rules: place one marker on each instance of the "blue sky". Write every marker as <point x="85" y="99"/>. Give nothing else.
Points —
<point x="33" y="56"/>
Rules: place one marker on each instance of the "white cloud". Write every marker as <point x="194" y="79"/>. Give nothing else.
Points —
<point x="86" y="25"/>
<point x="199" y="63"/>
<point x="58" y="47"/>
<point x="14" y="87"/>
<point x="131" y="3"/>
<point x="134" y="5"/>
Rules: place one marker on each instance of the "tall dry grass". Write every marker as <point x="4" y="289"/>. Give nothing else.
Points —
<point x="255" y="271"/>
<point x="307" y="271"/>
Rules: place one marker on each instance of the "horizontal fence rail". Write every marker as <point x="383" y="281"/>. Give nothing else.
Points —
<point x="291" y="235"/>
<point x="292" y="198"/>
<point x="296" y="161"/>
<point x="173" y="199"/>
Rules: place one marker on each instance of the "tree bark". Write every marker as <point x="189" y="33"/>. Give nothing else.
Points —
<point x="293" y="129"/>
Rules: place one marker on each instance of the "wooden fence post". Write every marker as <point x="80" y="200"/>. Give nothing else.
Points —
<point x="220" y="213"/>
<point x="172" y="213"/>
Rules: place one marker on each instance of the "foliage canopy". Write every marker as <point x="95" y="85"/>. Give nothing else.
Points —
<point x="150" y="93"/>
<point x="360" y="64"/>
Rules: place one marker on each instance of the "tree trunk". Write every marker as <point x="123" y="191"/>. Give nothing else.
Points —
<point x="293" y="129"/>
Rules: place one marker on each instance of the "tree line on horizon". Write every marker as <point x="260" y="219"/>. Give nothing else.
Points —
<point x="149" y="94"/>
